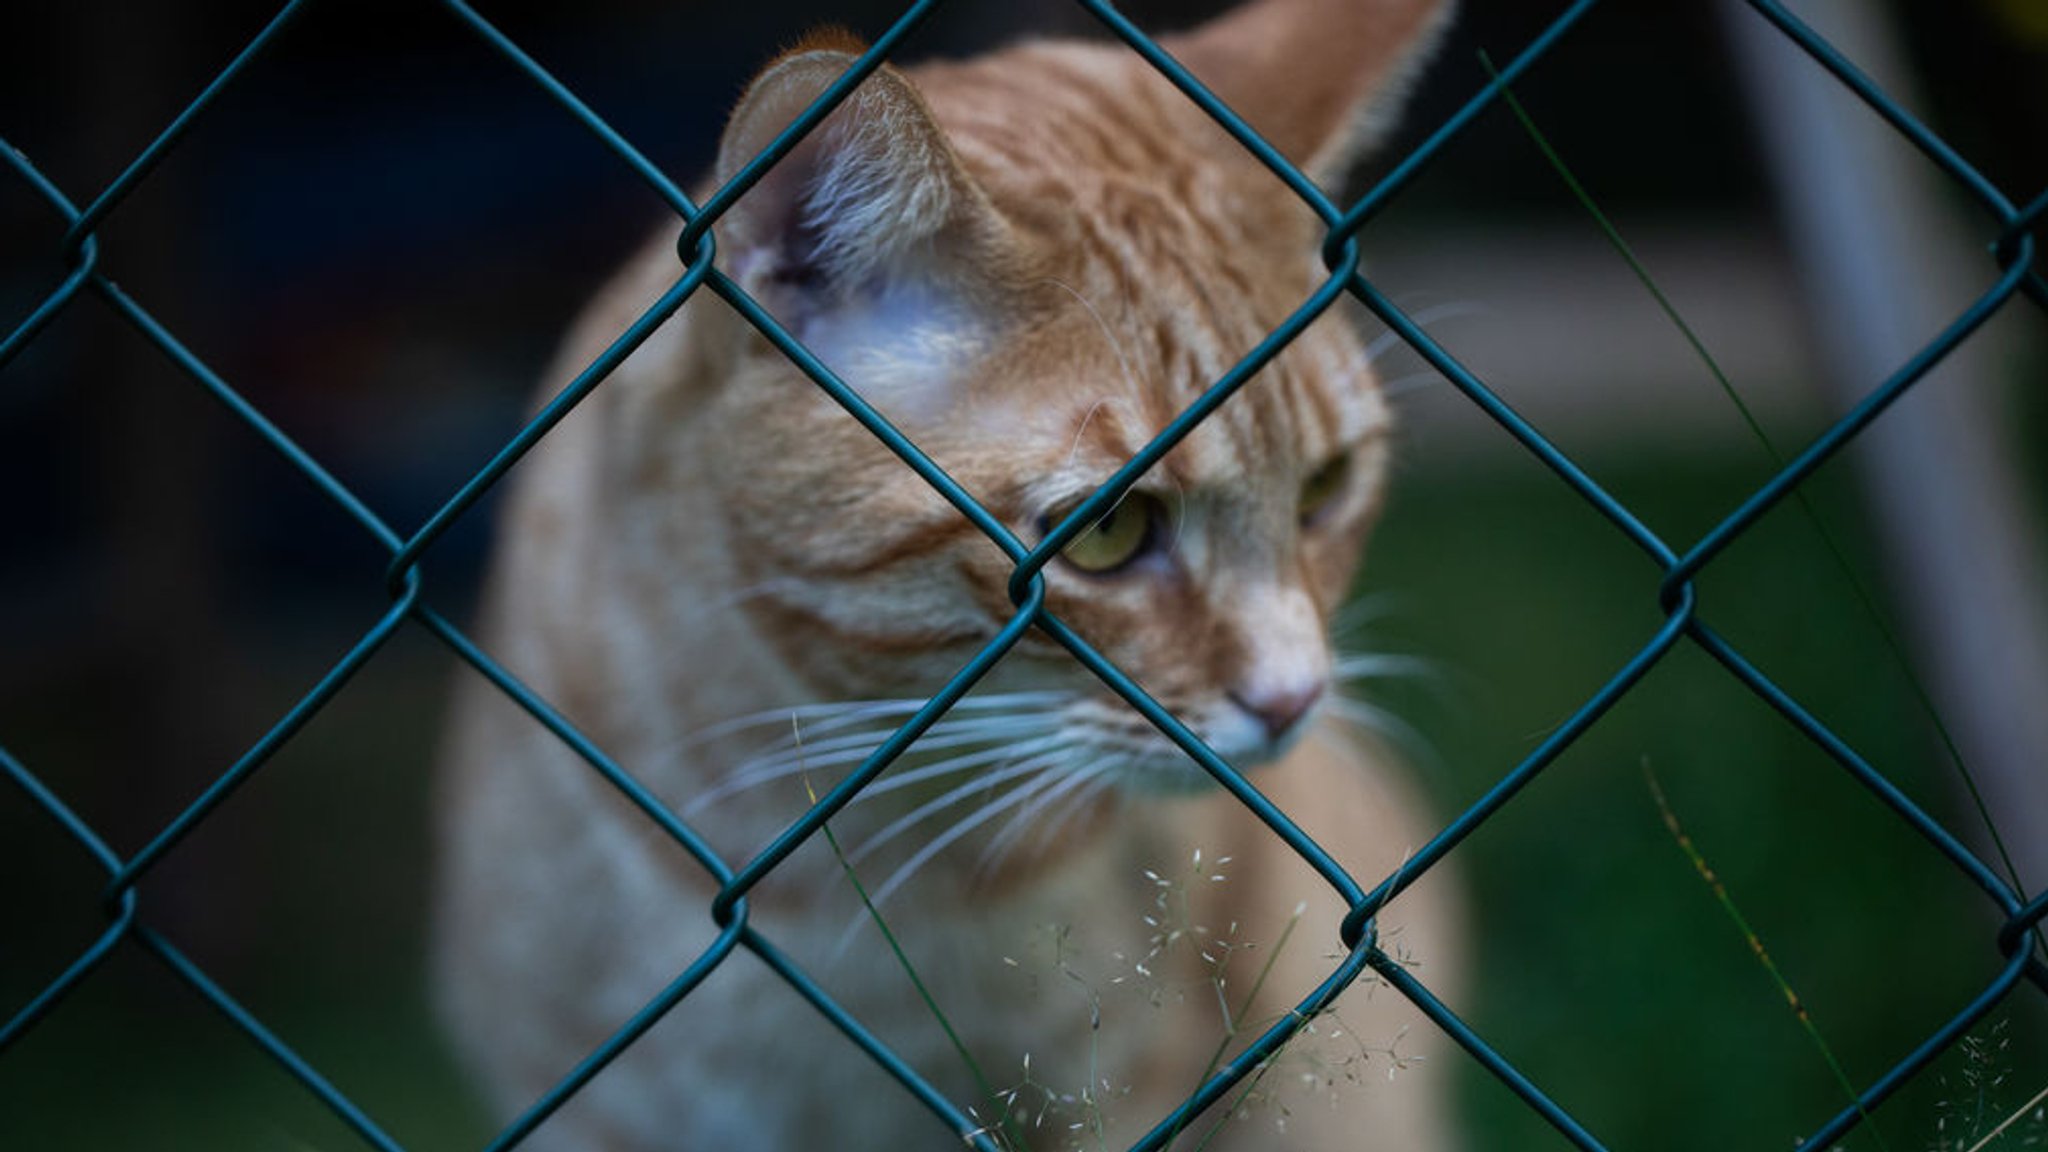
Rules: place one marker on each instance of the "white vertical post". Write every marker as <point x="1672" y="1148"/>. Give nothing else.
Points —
<point x="1887" y="264"/>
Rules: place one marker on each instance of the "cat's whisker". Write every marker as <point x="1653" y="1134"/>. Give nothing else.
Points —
<point x="1353" y="668"/>
<point x="1115" y="345"/>
<point x="975" y="819"/>
<point x="1100" y="775"/>
<point x="1101" y="713"/>
<point x="960" y="763"/>
<point x="794" y="759"/>
<point x="788" y="760"/>
<point x="1361" y="611"/>
<point x="1413" y="382"/>
<point x="948" y="733"/>
<point x="1022" y="821"/>
<point x="1080" y="753"/>
<point x="1387" y="341"/>
<point x="1081" y="430"/>
<point x="1174" y="507"/>
<point x="1382" y="723"/>
<point x="984" y="783"/>
<point x="1176" y="511"/>
<point x="1390" y="340"/>
<point x="806" y="723"/>
<point x="831" y="715"/>
<point x="1381" y="666"/>
<point x="1130" y="735"/>
<point x="803" y="743"/>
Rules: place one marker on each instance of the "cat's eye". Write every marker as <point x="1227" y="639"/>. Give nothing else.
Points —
<point x="1125" y="533"/>
<point x="1323" y="486"/>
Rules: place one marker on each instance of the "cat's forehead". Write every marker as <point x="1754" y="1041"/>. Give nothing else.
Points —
<point x="1091" y="406"/>
<point x="1090" y="137"/>
<point x="1161" y="258"/>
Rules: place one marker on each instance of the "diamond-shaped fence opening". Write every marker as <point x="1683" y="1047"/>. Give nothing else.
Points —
<point x="1684" y="629"/>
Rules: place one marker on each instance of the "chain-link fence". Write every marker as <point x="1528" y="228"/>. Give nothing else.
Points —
<point x="2011" y="246"/>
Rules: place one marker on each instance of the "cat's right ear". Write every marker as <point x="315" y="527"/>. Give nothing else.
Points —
<point x="873" y="196"/>
<point x="1322" y="80"/>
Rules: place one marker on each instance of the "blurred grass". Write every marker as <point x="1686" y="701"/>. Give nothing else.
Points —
<point x="1606" y="969"/>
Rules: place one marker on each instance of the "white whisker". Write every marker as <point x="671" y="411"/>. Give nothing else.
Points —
<point x="1115" y="345"/>
<point x="947" y="733"/>
<point x="1413" y="382"/>
<point x="952" y="764"/>
<point x="1381" y="666"/>
<point x="1095" y="772"/>
<point x="1176" y="512"/>
<point x="1361" y="611"/>
<point x="1382" y="723"/>
<point x="791" y="758"/>
<point x="975" y="819"/>
<point x="1021" y="819"/>
<point x="1101" y="775"/>
<point x="816" y="718"/>
<point x="1386" y="341"/>
<point x="812" y="718"/>
<point x="1074" y="449"/>
<point x="952" y="796"/>
<point x="795" y="760"/>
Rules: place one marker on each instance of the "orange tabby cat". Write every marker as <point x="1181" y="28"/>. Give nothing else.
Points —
<point x="1030" y="262"/>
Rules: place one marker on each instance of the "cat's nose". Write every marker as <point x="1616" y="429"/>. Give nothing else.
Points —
<point x="1278" y="710"/>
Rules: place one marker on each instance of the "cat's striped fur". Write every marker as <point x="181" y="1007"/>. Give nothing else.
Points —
<point x="1030" y="262"/>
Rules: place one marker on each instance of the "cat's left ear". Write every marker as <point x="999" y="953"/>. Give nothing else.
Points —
<point x="873" y="196"/>
<point x="1323" y="80"/>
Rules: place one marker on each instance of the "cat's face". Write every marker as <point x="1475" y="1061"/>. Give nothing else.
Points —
<point x="1032" y="300"/>
<point x="1213" y="583"/>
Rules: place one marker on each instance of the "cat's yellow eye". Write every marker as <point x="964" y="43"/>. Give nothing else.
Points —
<point x="1323" y="486"/>
<point x="1127" y="532"/>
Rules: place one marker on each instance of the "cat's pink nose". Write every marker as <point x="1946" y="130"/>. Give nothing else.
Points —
<point x="1280" y="709"/>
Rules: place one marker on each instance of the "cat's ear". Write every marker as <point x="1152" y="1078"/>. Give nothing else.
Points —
<point x="1322" y="80"/>
<point x="874" y="194"/>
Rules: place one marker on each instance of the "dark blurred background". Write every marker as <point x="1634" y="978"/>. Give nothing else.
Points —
<point x="377" y="235"/>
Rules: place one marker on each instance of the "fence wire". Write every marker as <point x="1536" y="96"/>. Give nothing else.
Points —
<point x="2012" y="247"/>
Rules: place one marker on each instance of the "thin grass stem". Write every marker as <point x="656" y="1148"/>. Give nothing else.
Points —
<point x="1756" y="948"/>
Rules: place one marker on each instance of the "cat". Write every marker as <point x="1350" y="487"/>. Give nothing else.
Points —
<point x="1029" y="261"/>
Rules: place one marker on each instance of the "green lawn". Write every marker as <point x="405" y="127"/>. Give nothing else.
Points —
<point x="1609" y="972"/>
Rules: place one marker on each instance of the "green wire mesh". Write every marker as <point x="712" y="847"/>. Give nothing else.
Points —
<point x="2011" y="246"/>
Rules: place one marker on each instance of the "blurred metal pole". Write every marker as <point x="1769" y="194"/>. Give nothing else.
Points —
<point x="1886" y="266"/>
